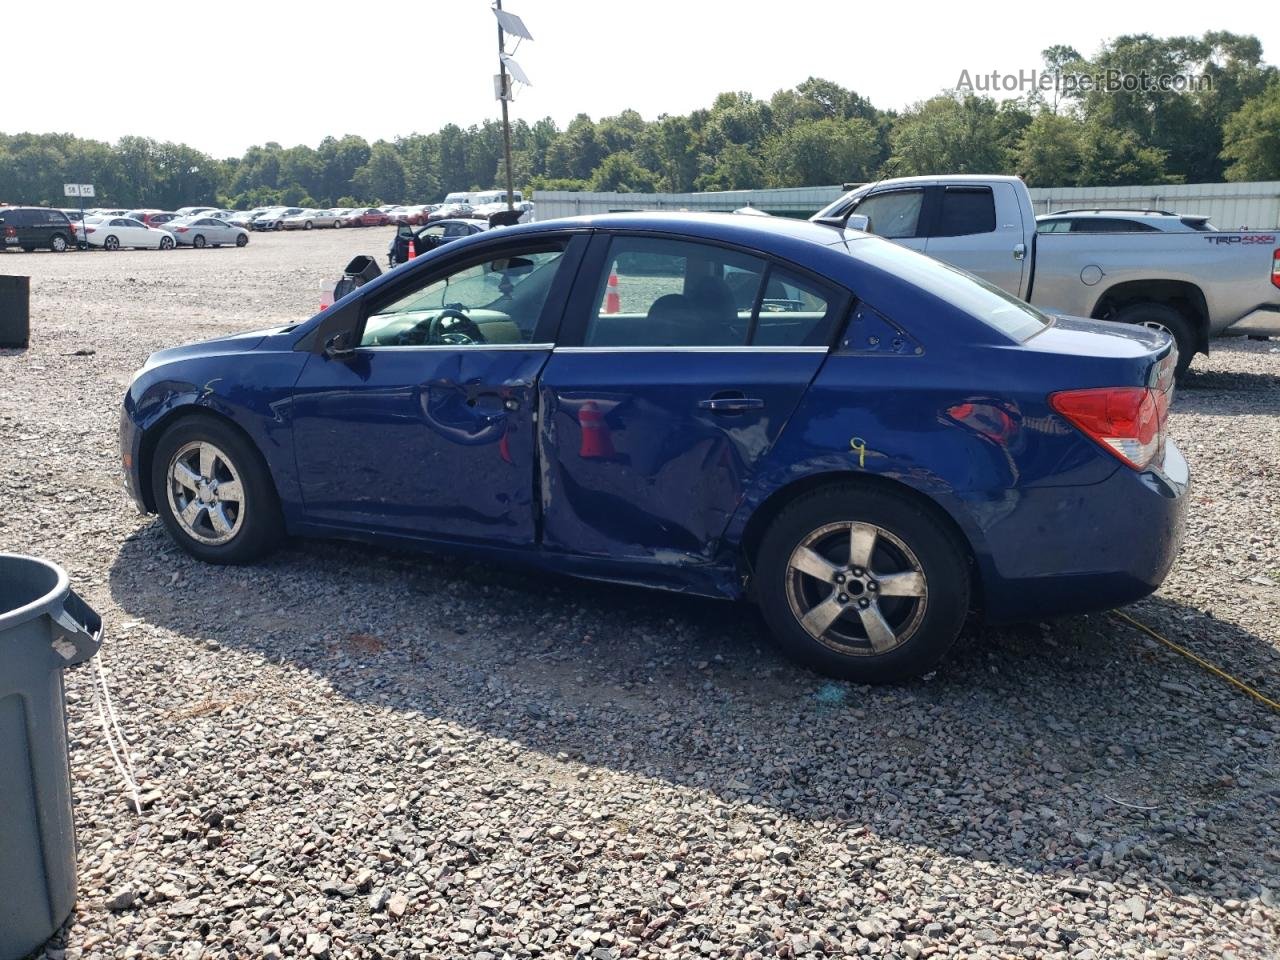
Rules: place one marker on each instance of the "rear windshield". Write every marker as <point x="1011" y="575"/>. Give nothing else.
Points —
<point x="975" y="296"/>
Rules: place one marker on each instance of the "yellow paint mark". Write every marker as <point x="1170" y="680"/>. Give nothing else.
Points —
<point x="859" y="446"/>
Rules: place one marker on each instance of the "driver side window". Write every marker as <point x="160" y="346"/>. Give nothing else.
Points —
<point x="497" y="301"/>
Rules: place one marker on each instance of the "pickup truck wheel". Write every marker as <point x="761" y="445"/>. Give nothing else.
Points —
<point x="1159" y="316"/>
<point x="862" y="584"/>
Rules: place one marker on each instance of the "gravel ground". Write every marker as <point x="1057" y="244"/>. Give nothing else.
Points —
<point x="350" y="752"/>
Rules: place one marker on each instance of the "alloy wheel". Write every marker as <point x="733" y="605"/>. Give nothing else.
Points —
<point x="856" y="588"/>
<point x="205" y="493"/>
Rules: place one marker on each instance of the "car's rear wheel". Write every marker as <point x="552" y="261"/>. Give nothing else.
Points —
<point x="308" y="225"/>
<point x="57" y="243"/>
<point x="337" y="224"/>
<point x="111" y="243"/>
<point x="213" y="492"/>
<point x="1160" y="316"/>
<point x="166" y="243"/>
<point x="242" y="239"/>
<point x="862" y="584"/>
<point x="198" y="241"/>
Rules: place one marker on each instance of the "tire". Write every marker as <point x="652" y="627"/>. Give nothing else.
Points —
<point x="308" y="225"/>
<point x="250" y="527"/>
<point x="166" y="243"/>
<point x="908" y="540"/>
<point x="1163" y="317"/>
<point x="198" y="241"/>
<point x="242" y="240"/>
<point x="337" y="224"/>
<point x="111" y="243"/>
<point x="58" y="243"/>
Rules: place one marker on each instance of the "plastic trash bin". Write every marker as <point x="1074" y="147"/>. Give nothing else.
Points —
<point x="15" y="311"/>
<point x="44" y="627"/>
<point x="359" y="271"/>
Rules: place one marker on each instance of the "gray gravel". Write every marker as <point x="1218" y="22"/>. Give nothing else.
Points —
<point x="349" y="752"/>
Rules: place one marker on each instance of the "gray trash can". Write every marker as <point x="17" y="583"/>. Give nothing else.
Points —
<point x="44" y="627"/>
<point x="15" y="311"/>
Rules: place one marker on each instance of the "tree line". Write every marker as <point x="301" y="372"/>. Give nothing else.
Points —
<point x="1226" y="127"/>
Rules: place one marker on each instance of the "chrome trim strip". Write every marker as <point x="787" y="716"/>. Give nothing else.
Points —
<point x="460" y="346"/>
<point x="759" y="349"/>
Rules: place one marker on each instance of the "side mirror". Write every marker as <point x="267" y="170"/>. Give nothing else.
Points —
<point x="340" y="346"/>
<point x="859" y="222"/>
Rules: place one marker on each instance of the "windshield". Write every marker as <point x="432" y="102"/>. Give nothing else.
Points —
<point x="984" y="301"/>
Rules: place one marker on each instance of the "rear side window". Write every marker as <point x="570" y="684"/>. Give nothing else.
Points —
<point x="965" y="210"/>
<point x="677" y="293"/>
<point x="1110" y="225"/>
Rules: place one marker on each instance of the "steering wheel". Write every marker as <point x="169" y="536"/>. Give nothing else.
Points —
<point x="453" y="326"/>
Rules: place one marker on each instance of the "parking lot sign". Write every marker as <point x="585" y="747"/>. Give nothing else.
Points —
<point x="86" y="189"/>
<point x="71" y="189"/>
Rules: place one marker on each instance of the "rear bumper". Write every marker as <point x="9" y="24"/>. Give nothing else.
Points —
<point x="1070" y="550"/>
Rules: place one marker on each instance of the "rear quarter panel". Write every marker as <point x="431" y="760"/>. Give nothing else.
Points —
<point x="1232" y="270"/>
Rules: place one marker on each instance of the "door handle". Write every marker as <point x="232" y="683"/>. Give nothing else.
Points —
<point x="1019" y="251"/>
<point x="731" y="404"/>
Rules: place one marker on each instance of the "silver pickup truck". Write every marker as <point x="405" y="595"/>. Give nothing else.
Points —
<point x="1195" y="285"/>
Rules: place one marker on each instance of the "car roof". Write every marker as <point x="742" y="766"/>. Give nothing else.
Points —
<point x="733" y="227"/>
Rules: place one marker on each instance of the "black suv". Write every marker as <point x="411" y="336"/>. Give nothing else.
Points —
<point x="32" y="227"/>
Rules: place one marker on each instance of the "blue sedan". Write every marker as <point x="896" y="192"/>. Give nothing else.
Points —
<point x="867" y="443"/>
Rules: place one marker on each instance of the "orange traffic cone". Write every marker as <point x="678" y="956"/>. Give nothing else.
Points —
<point x="596" y="442"/>
<point x="413" y="251"/>
<point x="612" y="302"/>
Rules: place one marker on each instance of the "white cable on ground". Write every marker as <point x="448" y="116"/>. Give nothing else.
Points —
<point x="107" y="714"/>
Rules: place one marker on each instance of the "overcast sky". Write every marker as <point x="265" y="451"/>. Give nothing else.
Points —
<point x="226" y="74"/>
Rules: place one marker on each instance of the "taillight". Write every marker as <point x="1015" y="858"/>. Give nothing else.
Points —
<point x="10" y="231"/>
<point x="1275" y="267"/>
<point x="179" y="229"/>
<point x="90" y="229"/>
<point x="1128" y="422"/>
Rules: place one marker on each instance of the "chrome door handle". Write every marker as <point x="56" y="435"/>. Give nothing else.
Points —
<point x="731" y="404"/>
<point x="1019" y="251"/>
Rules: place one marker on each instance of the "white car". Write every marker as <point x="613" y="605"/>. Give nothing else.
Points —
<point x="205" y="231"/>
<point x="112" y="233"/>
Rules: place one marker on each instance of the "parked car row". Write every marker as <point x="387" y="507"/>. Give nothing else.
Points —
<point x="32" y="228"/>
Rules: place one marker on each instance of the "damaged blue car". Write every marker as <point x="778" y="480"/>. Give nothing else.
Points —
<point x="867" y="443"/>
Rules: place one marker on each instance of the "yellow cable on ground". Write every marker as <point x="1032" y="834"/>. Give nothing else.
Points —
<point x="1195" y="658"/>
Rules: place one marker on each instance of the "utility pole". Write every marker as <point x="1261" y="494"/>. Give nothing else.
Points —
<point x="506" y="121"/>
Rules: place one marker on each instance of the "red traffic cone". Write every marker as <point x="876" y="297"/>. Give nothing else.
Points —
<point x="413" y="251"/>
<point x="612" y="302"/>
<point x="596" y="442"/>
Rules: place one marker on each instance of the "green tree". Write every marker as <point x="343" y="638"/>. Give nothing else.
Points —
<point x="383" y="177"/>
<point x="1251" y="138"/>
<point x="1049" y="151"/>
<point x="950" y="134"/>
<point x="815" y="152"/>
<point x="619" y="171"/>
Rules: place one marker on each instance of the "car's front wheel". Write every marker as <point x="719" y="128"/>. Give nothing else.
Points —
<point x="213" y="492"/>
<point x="166" y="243"/>
<point x="242" y="239"/>
<point x="862" y="584"/>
